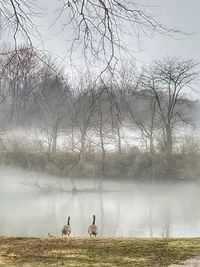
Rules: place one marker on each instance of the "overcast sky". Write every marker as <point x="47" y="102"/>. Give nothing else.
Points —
<point x="181" y="14"/>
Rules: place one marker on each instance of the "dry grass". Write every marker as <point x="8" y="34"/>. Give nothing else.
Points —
<point x="131" y="164"/>
<point x="32" y="252"/>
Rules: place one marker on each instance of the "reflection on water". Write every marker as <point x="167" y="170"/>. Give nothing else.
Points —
<point x="135" y="210"/>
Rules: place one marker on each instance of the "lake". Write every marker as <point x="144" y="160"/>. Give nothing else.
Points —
<point x="128" y="210"/>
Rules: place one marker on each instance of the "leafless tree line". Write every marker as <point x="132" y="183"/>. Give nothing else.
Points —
<point x="152" y="101"/>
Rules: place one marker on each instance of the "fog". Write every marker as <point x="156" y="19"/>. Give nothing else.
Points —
<point x="138" y="209"/>
<point x="125" y="151"/>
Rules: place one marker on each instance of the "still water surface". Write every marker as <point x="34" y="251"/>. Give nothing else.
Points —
<point x="130" y="209"/>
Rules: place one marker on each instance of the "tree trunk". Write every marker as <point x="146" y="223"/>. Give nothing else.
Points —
<point x="103" y="151"/>
<point x="168" y="144"/>
<point x="151" y="145"/>
<point x="83" y="135"/>
<point x="152" y="129"/>
<point x="54" y="141"/>
<point x="119" y="140"/>
<point x="55" y="129"/>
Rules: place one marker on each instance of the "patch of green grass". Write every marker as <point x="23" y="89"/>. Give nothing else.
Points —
<point x="75" y="252"/>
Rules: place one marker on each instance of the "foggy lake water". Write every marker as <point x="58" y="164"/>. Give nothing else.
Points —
<point x="128" y="210"/>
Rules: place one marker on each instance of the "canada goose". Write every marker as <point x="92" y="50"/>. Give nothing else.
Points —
<point x="66" y="228"/>
<point x="92" y="229"/>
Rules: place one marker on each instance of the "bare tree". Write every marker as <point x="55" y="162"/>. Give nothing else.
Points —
<point x="99" y="27"/>
<point x="102" y="126"/>
<point x="141" y="110"/>
<point x="99" y="125"/>
<point x="17" y="25"/>
<point x="19" y="77"/>
<point x="83" y="106"/>
<point x="52" y="98"/>
<point x="136" y="105"/>
<point x="167" y="81"/>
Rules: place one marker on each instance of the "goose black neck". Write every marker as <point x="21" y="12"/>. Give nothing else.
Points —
<point x="93" y="220"/>
<point x="68" y="220"/>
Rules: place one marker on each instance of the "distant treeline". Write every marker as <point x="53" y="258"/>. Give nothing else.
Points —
<point x="152" y="101"/>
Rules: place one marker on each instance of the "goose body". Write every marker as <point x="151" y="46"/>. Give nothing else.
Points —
<point x="93" y="229"/>
<point x="66" y="230"/>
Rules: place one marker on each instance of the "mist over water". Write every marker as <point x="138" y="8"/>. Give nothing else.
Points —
<point x="130" y="209"/>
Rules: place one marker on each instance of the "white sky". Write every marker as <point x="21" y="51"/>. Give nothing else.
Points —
<point x="181" y="14"/>
<point x="178" y="14"/>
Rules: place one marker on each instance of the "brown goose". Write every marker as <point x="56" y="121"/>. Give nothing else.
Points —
<point x="66" y="228"/>
<point x="92" y="229"/>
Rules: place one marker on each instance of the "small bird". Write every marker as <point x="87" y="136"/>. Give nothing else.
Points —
<point x="51" y="235"/>
<point x="92" y="229"/>
<point x="66" y="230"/>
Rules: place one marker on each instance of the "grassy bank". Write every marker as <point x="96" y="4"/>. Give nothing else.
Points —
<point x="134" y="165"/>
<point x="28" y="252"/>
